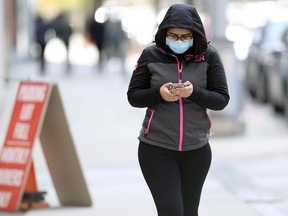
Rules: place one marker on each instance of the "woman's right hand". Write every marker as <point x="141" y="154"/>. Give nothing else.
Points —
<point x="166" y="94"/>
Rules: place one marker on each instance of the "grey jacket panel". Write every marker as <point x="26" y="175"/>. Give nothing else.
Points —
<point x="164" y="125"/>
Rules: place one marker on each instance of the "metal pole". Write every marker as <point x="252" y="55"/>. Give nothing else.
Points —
<point x="3" y="46"/>
<point x="3" y="54"/>
<point x="217" y="12"/>
<point x="190" y="2"/>
<point x="156" y="5"/>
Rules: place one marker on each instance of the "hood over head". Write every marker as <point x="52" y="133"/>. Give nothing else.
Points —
<point x="186" y="17"/>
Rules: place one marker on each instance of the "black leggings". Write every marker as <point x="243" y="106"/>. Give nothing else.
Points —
<point x="174" y="178"/>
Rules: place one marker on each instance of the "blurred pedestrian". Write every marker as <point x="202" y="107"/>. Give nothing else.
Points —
<point x="48" y="29"/>
<point x="63" y="31"/>
<point x="41" y="28"/>
<point x="174" y="151"/>
<point x="95" y="31"/>
<point x="116" y="40"/>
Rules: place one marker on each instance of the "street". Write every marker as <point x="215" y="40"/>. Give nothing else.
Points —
<point x="249" y="171"/>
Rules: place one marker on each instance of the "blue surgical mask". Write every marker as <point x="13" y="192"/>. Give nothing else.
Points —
<point x="179" y="46"/>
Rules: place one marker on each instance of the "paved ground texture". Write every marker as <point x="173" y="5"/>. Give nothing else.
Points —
<point x="248" y="176"/>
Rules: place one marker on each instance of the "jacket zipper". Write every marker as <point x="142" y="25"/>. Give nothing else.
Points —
<point x="181" y="123"/>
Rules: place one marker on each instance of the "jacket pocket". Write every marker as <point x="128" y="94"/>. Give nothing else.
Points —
<point x="150" y="117"/>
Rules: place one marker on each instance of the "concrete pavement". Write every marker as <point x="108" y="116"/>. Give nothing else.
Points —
<point x="248" y="174"/>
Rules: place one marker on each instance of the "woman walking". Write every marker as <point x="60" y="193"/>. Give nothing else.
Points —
<point x="177" y="80"/>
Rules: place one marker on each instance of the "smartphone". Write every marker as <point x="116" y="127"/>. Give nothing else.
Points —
<point x="176" y="85"/>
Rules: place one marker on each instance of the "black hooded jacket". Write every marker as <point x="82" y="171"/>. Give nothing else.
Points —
<point x="183" y="125"/>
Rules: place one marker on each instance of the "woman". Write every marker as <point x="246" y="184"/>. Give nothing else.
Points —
<point x="174" y="151"/>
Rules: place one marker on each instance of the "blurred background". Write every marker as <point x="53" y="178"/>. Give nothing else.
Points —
<point x="76" y="33"/>
<point x="90" y="47"/>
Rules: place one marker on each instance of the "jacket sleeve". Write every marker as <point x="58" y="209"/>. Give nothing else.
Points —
<point x="216" y="96"/>
<point x="139" y="92"/>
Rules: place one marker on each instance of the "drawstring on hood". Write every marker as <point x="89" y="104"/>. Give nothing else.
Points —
<point x="186" y="17"/>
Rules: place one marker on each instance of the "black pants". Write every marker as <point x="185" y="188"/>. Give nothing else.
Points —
<point x="174" y="178"/>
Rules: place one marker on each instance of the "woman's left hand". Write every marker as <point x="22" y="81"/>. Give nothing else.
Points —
<point x="183" y="92"/>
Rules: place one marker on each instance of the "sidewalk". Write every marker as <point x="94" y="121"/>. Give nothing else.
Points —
<point x="105" y="129"/>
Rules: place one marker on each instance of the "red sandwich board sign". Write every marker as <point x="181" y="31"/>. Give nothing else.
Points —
<point x="15" y="156"/>
<point x="34" y="108"/>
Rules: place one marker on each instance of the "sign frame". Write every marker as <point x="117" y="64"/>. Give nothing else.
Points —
<point x="39" y="113"/>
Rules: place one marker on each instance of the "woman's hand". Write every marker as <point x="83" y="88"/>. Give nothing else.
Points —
<point x="183" y="92"/>
<point x="166" y="94"/>
<point x="171" y="95"/>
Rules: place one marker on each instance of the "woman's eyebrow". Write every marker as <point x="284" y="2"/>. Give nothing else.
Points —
<point x="171" y="33"/>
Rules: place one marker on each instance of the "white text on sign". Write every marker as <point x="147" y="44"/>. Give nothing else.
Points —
<point x="16" y="155"/>
<point x="21" y="131"/>
<point x="26" y="112"/>
<point x="11" y="177"/>
<point x="35" y="93"/>
<point x="4" y="198"/>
